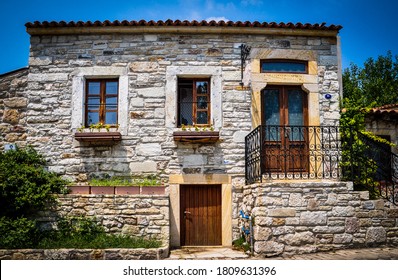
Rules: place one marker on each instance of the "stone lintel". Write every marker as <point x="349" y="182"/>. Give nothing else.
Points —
<point x="200" y="179"/>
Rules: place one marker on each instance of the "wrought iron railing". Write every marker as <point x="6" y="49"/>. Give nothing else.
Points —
<point x="370" y="165"/>
<point x="322" y="152"/>
<point x="293" y="152"/>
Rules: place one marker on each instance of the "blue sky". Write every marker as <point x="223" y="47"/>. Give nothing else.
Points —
<point x="369" y="26"/>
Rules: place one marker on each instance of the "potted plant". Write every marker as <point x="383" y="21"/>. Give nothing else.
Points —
<point x="150" y="185"/>
<point x="117" y="185"/>
<point x="100" y="134"/>
<point x="196" y="134"/>
<point x="113" y="185"/>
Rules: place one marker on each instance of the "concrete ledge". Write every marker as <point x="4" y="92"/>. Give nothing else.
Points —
<point x="85" y="254"/>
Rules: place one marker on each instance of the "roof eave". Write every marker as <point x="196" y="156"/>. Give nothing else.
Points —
<point x="78" y="30"/>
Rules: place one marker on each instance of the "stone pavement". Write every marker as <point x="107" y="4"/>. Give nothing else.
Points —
<point x="201" y="253"/>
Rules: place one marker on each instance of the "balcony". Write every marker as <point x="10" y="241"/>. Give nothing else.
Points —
<point x="293" y="152"/>
<point x="322" y="152"/>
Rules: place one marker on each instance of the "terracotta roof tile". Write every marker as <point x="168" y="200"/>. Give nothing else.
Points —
<point x="169" y="22"/>
<point x="391" y="109"/>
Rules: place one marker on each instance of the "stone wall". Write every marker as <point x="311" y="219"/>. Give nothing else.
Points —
<point x="385" y="125"/>
<point x="85" y="254"/>
<point x="135" y="215"/>
<point x="295" y="218"/>
<point x="13" y="107"/>
<point x="143" y="62"/>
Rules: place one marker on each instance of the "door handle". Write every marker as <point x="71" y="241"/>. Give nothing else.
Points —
<point x="187" y="212"/>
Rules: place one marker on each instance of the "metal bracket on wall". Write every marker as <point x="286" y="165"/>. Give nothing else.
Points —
<point x="244" y="53"/>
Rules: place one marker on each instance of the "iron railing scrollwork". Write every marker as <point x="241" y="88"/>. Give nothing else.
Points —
<point x="293" y="152"/>
<point x="370" y="165"/>
<point x="322" y="152"/>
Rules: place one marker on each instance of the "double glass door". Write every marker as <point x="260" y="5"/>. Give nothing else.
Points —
<point x="285" y="137"/>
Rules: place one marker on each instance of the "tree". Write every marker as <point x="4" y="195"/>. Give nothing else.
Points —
<point x="375" y="84"/>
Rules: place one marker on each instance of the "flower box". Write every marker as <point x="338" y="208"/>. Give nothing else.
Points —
<point x="102" y="190"/>
<point x="117" y="190"/>
<point x="79" y="189"/>
<point x="127" y="190"/>
<point x="197" y="136"/>
<point x="100" y="138"/>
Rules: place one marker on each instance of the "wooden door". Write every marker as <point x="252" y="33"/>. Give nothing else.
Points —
<point x="200" y="207"/>
<point x="285" y="138"/>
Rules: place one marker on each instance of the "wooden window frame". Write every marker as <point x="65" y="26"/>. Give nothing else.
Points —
<point x="195" y="96"/>
<point x="301" y="62"/>
<point x="102" y="96"/>
<point x="283" y="109"/>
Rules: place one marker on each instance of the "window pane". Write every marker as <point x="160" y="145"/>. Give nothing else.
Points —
<point x="295" y="105"/>
<point x="111" y="101"/>
<point x="201" y="118"/>
<point x="93" y="101"/>
<point x="94" y="87"/>
<point x="284" y="66"/>
<point x="272" y="114"/>
<point x="111" y="87"/>
<point x="201" y="87"/>
<point x="92" y="118"/>
<point x="111" y="108"/>
<point x="186" y="113"/>
<point x="202" y="102"/>
<point x="111" y="117"/>
<point x="185" y="106"/>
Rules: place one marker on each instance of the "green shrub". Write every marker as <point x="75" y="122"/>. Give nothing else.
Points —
<point x="25" y="185"/>
<point x="150" y="180"/>
<point x="85" y="233"/>
<point x="101" y="241"/>
<point x="241" y="244"/>
<point x="78" y="226"/>
<point x="18" y="233"/>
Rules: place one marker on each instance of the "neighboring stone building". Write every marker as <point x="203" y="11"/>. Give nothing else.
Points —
<point x="149" y="81"/>
<point x="383" y="121"/>
<point x="13" y="105"/>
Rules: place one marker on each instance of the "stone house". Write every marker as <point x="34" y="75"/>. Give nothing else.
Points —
<point x="232" y="116"/>
<point x="383" y="122"/>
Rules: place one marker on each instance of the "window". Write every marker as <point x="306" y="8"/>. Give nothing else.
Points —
<point x="101" y="103"/>
<point x="284" y="66"/>
<point x="193" y="102"/>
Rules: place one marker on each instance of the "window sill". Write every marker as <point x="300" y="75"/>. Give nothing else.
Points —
<point x="99" y="138"/>
<point x="197" y="136"/>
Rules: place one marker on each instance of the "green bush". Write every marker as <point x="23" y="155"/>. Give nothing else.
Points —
<point x="85" y="233"/>
<point x="18" y="233"/>
<point x="78" y="226"/>
<point x="25" y="185"/>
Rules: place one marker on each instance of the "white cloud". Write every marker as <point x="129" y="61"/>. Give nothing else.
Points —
<point x="217" y="19"/>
